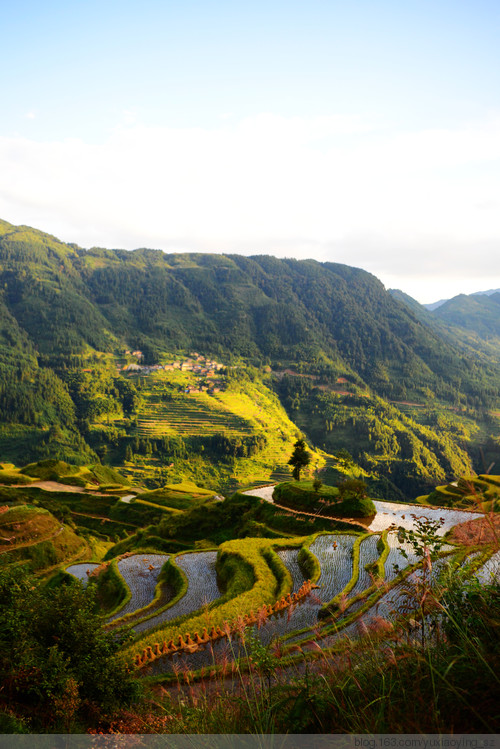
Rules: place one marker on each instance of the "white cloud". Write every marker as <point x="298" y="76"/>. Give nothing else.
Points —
<point x="337" y="188"/>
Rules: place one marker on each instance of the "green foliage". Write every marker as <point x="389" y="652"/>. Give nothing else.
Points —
<point x="178" y="497"/>
<point x="352" y="488"/>
<point x="329" y="501"/>
<point x="309" y="563"/>
<point x="481" y="493"/>
<point x="36" y="538"/>
<point x="10" y="724"/>
<point x="325" y="320"/>
<point x="470" y="614"/>
<point x="9" y="477"/>
<point x="354" y="501"/>
<point x="146" y="540"/>
<point x="423" y="538"/>
<point x="48" y="470"/>
<point x="478" y="313"/>
<point x="215" y="521"/>
<point x="235" y="573"/>
<point x="112" y="590"/>
<point x="56" y="662"/>
<point x="299" y="459"/>
<point x="411" y="451"/>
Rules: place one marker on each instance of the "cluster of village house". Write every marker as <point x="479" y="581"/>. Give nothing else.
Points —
<point x="195" y="363"/>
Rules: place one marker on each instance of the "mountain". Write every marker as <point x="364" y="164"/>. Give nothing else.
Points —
<point x="478" y="313"/>
<point x="65" y="300"/>
<point x="69" y="318"/>
<point x="467" y="324"/>
<point x="488" y="293"/>
<point x="434" y="305"/>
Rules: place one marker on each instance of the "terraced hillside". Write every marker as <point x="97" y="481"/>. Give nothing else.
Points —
<point x="32" y="536"/>
<point x="480" y="492"/>
<point x="194" y="414"/>
<point x="350" y="570"/>
<point x="183" y="607"/>
<point x="236" y="436"/>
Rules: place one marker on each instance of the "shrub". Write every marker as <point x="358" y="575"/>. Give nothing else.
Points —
<point x="56" y="661"/>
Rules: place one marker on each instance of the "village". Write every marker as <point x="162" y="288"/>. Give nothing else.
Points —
<point x="207" y="370"/>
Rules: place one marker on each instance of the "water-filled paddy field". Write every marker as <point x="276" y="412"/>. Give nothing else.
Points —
<point x="490" y="570"/>
<point x="199" y="568"/>
<point x="334" y="552"/>
<point x="82" y="570"/>
<point x="402" y="515"/>
<point x="141" y="573"/>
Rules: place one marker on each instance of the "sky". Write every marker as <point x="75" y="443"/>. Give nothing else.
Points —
<point x="363" y="132"/>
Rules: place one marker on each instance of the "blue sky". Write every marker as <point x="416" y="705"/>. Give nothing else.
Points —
<point x="364" y="132"/>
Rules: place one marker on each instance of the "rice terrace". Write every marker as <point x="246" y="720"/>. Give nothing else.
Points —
<point x="262" y="608"/>
<point x="242" y="495"/>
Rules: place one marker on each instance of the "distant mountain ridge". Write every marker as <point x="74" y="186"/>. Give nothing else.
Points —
<point x="467" y="320"/>
<point x="434" y="305"/>
<point x="479" y="313"/>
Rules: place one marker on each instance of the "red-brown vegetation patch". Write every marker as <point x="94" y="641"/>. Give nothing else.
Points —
<point x="479" y="531"/>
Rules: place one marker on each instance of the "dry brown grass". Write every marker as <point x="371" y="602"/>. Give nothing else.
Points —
<point x="484" y="530"/>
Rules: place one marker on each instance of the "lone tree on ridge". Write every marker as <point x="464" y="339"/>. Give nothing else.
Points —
<point x="300" y="458"/>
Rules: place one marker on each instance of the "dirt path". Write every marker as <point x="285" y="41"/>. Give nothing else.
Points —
<point x="101" y="518"/>
<point x="356" y="523"/>
<point x="55" y="486"/>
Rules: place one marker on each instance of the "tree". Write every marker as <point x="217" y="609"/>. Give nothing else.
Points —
<point x="352" y="489"/>
<point x="426" y="543"/>
<point x="317" y="484"/>
<point x="345" y="457"/>
<point x="300" y="458"/>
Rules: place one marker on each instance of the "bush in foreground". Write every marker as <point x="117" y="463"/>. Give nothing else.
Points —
<point x="57" y="665"/>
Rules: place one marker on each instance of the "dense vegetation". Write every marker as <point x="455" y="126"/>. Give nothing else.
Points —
<point x="57" y="665"/>
<point x="348" y="500"/>
<point x="346" y="358"/>
<point x="66" y="299"/>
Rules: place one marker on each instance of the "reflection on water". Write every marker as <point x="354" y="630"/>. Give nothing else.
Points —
<point x="199" y="568"/>
<point x="141" y="573"/>
<point x="80" y="570"/>
<point x="490" y="570"/>
<point x="389" y="513"/>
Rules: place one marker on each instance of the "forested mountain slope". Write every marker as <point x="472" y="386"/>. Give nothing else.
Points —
<point x="69" y="317"/>
<point x="479" y="313"/>
<point x="469" y="322"/>
<point x="65" y="299"/>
